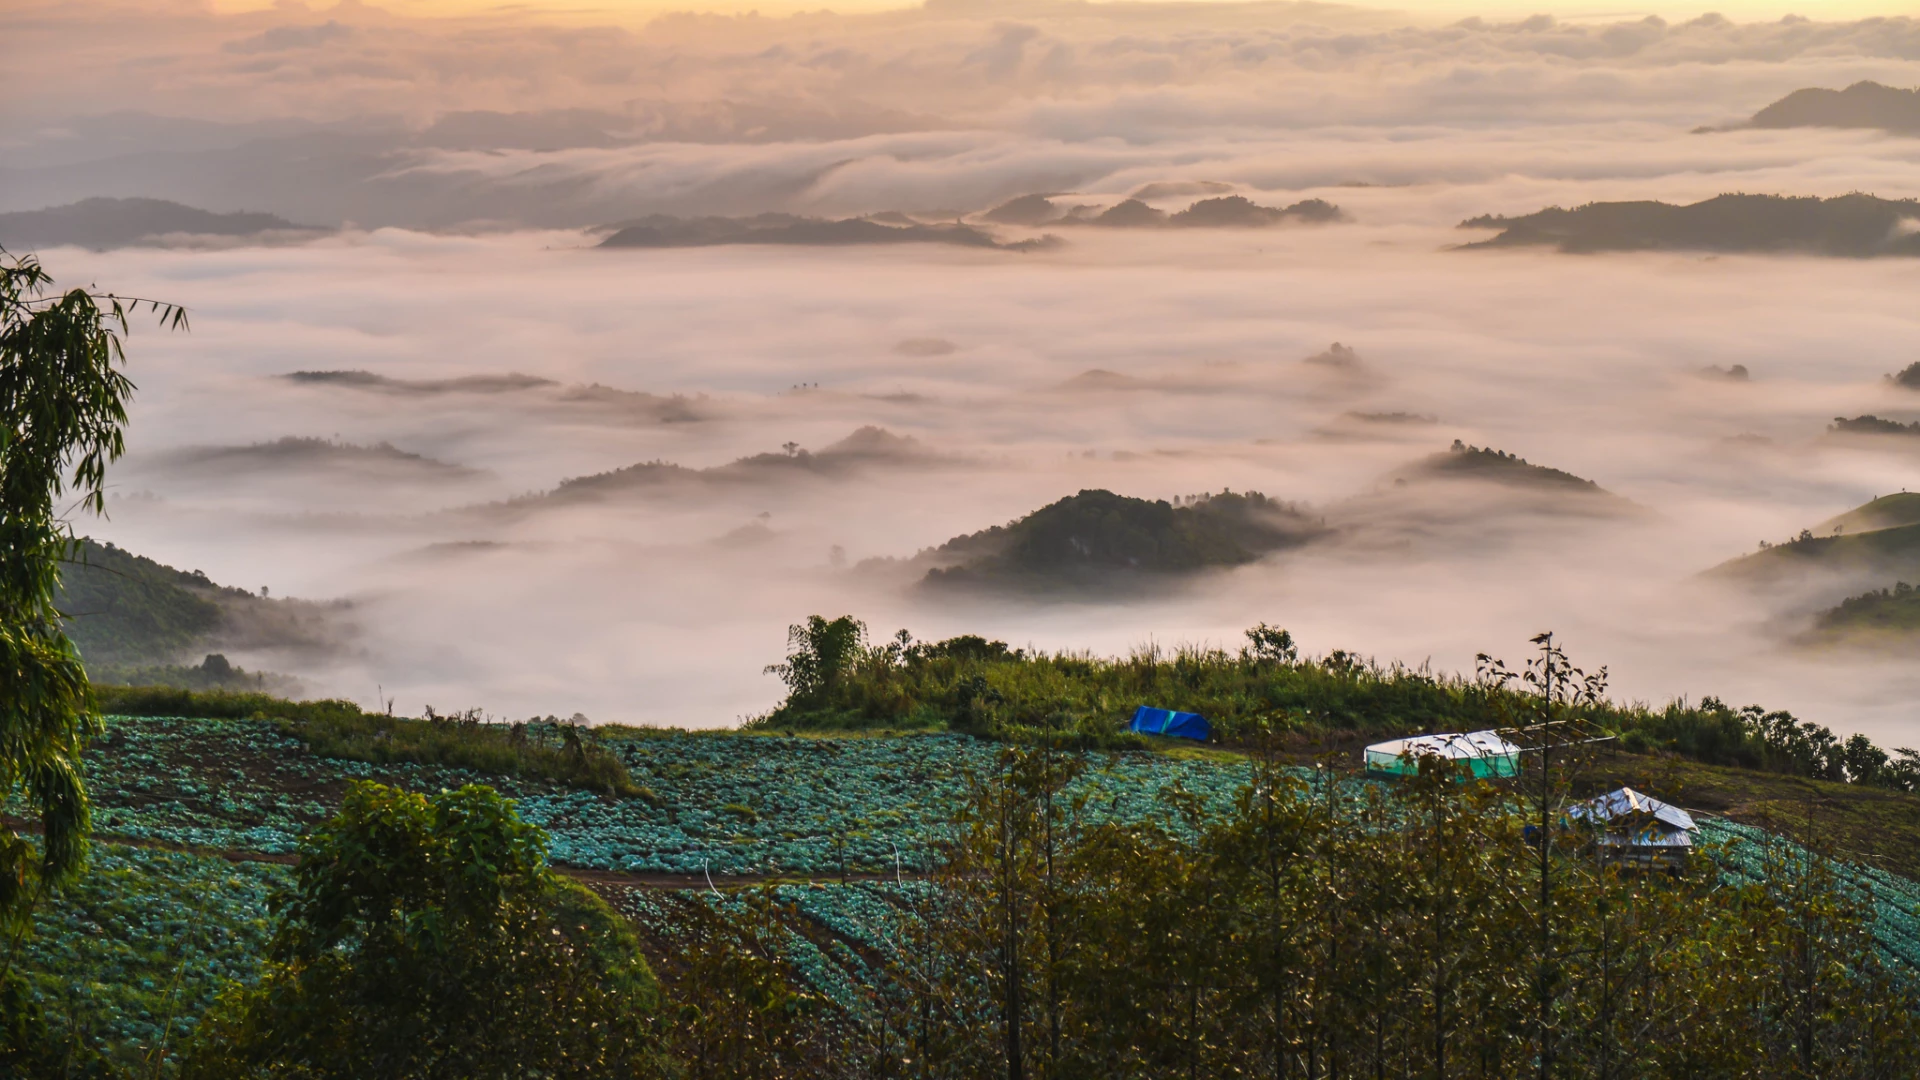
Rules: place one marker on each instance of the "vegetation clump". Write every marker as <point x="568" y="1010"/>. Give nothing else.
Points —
<point x="62" y="407"/>
<point x="1894" y="610"/>
<point x="1307" y="928"/>
<point x="1871" y="425"/>
<point x="427" y="937"/>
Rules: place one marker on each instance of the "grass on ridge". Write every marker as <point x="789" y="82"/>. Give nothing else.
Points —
<point x="549" y="750"/>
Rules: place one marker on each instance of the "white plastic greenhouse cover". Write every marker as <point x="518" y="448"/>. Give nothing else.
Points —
<point x="1474" y="744"/>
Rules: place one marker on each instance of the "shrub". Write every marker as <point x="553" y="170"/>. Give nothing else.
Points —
<point x="428" y="938"/>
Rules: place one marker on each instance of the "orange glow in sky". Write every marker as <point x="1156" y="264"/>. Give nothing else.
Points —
<point x="1419" y="11"/>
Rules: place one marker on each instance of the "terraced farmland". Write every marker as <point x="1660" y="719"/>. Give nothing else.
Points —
<point x="720" y="803"/>
<point x="132" y="954"/>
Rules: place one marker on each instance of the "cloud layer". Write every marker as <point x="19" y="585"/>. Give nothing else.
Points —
<point x="661" y="602"/>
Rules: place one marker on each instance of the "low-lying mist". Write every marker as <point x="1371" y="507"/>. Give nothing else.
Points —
<point x="550" y="477"/>
<point x="1158" y="366"/>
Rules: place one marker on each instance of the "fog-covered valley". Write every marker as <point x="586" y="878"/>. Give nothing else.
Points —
<point x="1158" y="371"/>
<point x="553" y="477"/>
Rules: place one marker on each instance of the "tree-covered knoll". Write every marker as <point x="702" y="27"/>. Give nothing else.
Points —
<point x="1865" y="104"/>
<point x="1878" y="553"/>
<point x="1097" y="539"/>
<point x="1892" y="612"/>
<point x="837" y="680"/>
<point x="1463" y="462"/>
<point x="137" y="621"/>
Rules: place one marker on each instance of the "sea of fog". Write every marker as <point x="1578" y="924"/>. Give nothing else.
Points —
<point x="663" y="605"/>
<point x="459" y="158"/>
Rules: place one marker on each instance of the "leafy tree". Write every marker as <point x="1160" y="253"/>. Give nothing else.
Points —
<point x="428" y="938"/>
<point x="62" y="408"/>
<point x="824" y="653"/>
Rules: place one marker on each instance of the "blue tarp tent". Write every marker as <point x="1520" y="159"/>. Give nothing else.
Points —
<point x="1185" y="725"/>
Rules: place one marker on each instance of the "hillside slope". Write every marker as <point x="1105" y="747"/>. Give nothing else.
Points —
<point x="134" y="618"/>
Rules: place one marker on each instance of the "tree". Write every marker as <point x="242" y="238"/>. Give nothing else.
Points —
<point x="428" y="938"/>
<point x="823" y="653"/>
<point x="62" y="408"/>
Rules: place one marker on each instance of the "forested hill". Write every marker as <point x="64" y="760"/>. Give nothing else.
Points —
<point x="137" y="620"/>
<point x="1463" y="462"/>
<point x="1863" y="105"/>
<point x="1097" y="539"/>
<point x="1850" y="225"/>
<point x="124" y="608"/>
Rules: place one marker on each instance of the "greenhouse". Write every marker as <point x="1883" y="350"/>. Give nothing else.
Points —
<point x="1483" y="753"/>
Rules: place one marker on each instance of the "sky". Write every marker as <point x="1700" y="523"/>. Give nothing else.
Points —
<point x="1418" y="10"/>
<point x="457" y="173"/>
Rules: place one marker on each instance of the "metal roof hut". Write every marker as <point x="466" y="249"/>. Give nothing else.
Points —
<point x="1481" y="753"/>
<point x="1639" y="830"/>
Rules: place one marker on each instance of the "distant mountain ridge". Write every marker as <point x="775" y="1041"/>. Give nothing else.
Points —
<point x="590" y="397"/>
<point x="663" y="231"/>
<point x="1224" y="212"/>
<point x="1849" y="225"/>
<point x="867" y="446"/>
<point x="295" y="452"/>
<point x="109" y="223"/>
<point x="1865" y="104"/>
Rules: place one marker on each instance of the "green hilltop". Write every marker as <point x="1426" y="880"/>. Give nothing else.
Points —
<point x="1885" y="512"/>
<point x="1097" y="539"/>
<point x="1878" y="539"/>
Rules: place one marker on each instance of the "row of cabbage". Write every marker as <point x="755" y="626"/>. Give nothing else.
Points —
<point x="1744" y="854"/>
<point x="129" y="957"/>
<point x="721" y="803"/>
<point x="231" y="785"/>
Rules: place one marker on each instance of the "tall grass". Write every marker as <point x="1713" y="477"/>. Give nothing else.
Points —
<point x="558" y="752"/>
<point x="973" y="685"/>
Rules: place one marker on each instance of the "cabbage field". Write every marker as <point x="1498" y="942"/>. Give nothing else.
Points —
<point x="719" y="803"/>
<point x="134" y="952"/>
<point x="129" y="958"/>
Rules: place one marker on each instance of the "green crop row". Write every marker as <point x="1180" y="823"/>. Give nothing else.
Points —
<point x="127" y="959"/>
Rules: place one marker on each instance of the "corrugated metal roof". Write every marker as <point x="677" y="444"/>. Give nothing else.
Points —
<point x="1627" y="802"/>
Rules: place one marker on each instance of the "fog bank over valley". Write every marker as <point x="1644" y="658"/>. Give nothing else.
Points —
<point x="511" y="540"/>
<point x="565" y="376"/>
